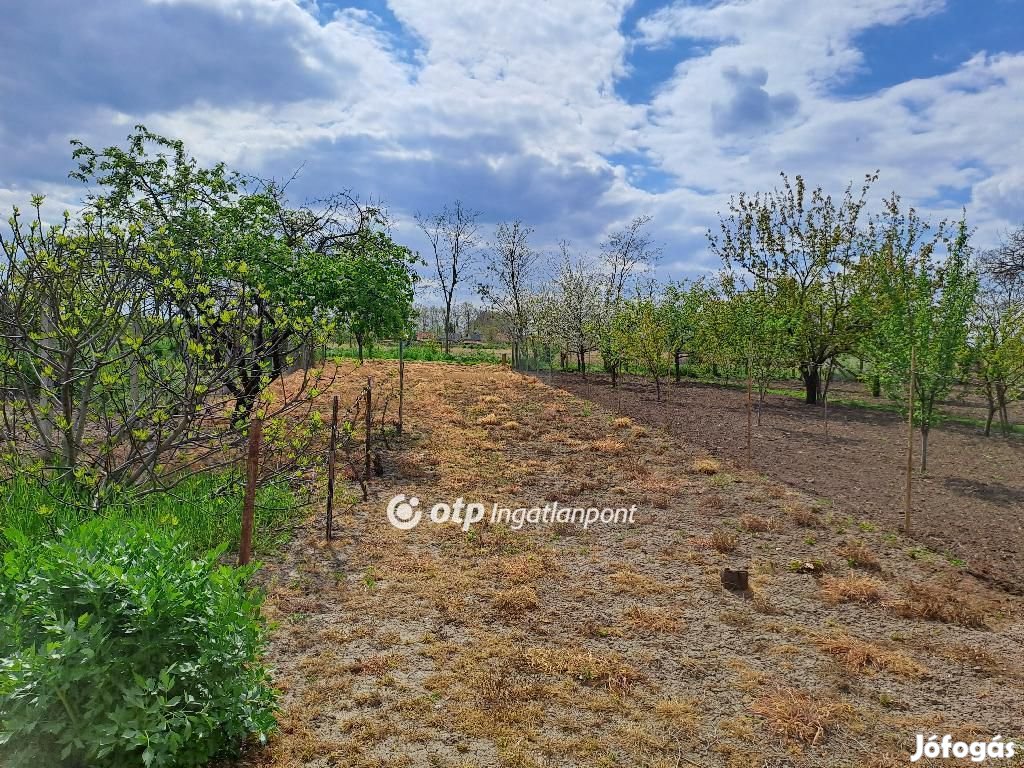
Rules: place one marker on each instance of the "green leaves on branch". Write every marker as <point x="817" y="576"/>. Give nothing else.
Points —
<point x="919" y="293"/>
<point x="801" y="248"/>
<point x="138" y="337"/>
<point x="641" y="335"/>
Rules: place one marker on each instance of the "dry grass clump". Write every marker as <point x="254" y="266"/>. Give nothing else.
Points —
<point x="981" y="659"/>
<point x="853" y="588"/>
<point x="803" y="516"/>
<point x="490" y="399"/>
<point x="721" y="540"/>
<point x="374" y="665"/>
<point x="756" y="524"/>
<point x="490" y="420"/>
<point x="586" y="667"/>
<point x="681" y="715"/>
<point x="510" y="425"/>
<point x="706" y="466"/>
<point x="859" y="555"/>
<point x="651" y="619"/>
<point x="622" y="422"/>
<point x="935" y="603"/>
<point x="724" y="541"/>
<point x="799" y="715"/>
<point x="501" y="688"/>
<point x="762" y="603"/>
<point x="609" y="446"/>
<point x="525" y="568"/>
<point x="633" y="583"/>
<point x="864" y="657"/>
<point x="632" y="465"/>
<point x="516" y="600"/>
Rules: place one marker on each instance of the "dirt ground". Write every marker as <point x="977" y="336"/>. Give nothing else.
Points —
<point x="968" y="506"/>
<point x="616" y="646"/>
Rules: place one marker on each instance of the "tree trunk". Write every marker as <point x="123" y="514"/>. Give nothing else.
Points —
<point x="876" y="386"/>
<point x="448" y="327"/>
<point x="811" y="374"/>
<point x="657" y="388"/>
<point x="46" y="418"/>
<point x="993" y="406"/>
<point x="678" y="354"/>
<point x="1004" y="414"/>
<point x="359" y="344"/>
<point x="924" y="448"/>
<point x="614" y="371"/>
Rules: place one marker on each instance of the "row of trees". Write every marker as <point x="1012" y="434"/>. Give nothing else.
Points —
<point x="810" y="285"/>
<point x="468" y="320"/>
<point x="139" y="334"/>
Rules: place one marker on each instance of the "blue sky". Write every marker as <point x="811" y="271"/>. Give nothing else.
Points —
<point x="574" y="115"/>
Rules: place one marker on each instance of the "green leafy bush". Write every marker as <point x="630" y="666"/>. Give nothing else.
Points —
<point x="119" y="648"/>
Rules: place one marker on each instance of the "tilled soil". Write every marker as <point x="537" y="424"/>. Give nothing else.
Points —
<point x="969" y="505"/>
<point x="615" y="646"/>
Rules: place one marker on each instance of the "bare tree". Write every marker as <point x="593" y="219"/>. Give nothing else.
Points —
<point x="452" y="234"/>
<point x="430" y="319"/>
<point x="1007" y="262"/>
<point x="626" y="252"/>
<point x="512" y="264"/>
<point x="577" y="306"/>
<point x="997" y="336"/>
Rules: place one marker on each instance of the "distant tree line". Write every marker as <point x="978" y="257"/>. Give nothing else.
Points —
<point x="810" y="285"/>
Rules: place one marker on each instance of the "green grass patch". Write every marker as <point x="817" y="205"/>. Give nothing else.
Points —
<point x="205" y="510"/>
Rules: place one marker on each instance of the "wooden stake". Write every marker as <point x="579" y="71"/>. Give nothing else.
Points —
<point x="401" y="383"/>
<point x="369" y="426"/>
<point x="750" y="385"/>
<point x="252" y="469"/>
<point x="910" y="444"/>
<point x="330" y="468"/>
